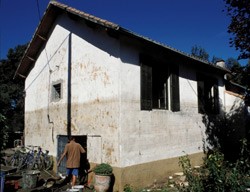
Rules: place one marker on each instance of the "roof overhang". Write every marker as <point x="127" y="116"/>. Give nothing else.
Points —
<point x="55" y="8"/>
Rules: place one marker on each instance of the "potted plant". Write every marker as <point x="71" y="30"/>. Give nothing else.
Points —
<point x="103" y="174"/>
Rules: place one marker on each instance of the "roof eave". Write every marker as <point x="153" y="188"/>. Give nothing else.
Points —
<point x="37" y="41"/>
<point x="53" y="9"/>
<point x="134" y="35"/>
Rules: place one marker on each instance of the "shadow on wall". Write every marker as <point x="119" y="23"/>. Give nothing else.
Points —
<point x="226" y="131"/>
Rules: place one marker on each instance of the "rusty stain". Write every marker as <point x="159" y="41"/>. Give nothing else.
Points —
<point x="65" y="122"/>
<point x="97" y="100"/>
<point x="112" y="125"/>
<point x="74" y="127"/>
<point x="82" y="66"/>
<point x="95" y="71"/>
<point x="109" y="151"/>
<point x="90" y="115"/>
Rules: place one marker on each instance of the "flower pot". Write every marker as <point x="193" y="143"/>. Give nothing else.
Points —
<point x="102" y="183"/>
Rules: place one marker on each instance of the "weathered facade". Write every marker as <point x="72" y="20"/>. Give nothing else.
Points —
<point x="139" y="103"/>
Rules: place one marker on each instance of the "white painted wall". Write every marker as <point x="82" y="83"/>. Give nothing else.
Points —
<point x="106" y="101"/>
<point x="95" y="90"/>
<point x="50" y="66"/>
<point x="232" y="101"/>
<point x="158" y="134"/>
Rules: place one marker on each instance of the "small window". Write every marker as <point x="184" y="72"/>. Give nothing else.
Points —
<point x="56" y="92"/>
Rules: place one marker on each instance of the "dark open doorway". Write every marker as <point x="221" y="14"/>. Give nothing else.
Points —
<point x="62" y="140"/>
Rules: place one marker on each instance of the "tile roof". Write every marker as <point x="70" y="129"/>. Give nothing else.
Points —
<point x="54" y="8"/>
<point x="86" y="15"/>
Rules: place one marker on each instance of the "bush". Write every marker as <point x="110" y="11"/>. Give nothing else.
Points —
<point x="103" y="169"/>
<point x="217" y="174"/>
<point x="3" y="136"/>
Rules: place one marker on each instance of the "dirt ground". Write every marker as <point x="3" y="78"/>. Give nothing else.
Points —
<point x="16" y="181"/>
<point x="49" y="181"/>
<point x="46" y="181"/>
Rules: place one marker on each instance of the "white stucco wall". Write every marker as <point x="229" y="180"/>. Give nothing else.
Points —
<point x="232" y="101"/>
<point x="40" y="113"/>
<point x="158" y="134"/>
<point x="94" y="90"/>
<point x="105" y="84"/>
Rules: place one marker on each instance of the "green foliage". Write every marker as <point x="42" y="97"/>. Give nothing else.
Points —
<point x="217" y="174"/>
<point x="232" y="62"/>
<point x="240" y="75"/>
<point x="216" y="177"/>
<point x="3" y="134"/>
<point x="194" y="178"/>
<point x="224" y="131"/>
<point x="237" y="74"/>
<point x="103" y="169"/>
<point x="11" y="95"/>
<point x="128" y="188"/>
<point x="199" y="52"/>
<point x="239" y="13"/>
<point x="246" y="76"/>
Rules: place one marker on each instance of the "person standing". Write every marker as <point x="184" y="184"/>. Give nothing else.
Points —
<point x="73" y="152"/>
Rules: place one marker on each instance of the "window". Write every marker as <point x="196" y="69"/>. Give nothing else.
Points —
<point x="56" y="91"/>
<point x="159" y="85"/>
<point x="208" y="95"/>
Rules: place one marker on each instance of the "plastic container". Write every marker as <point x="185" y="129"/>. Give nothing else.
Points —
<point x="73" y="190"/>
<point x="30" y="179"/>
<point x="2" y="175"/>
<point x="78" y="187"/>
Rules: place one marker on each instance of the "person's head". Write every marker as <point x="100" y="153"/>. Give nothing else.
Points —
<point x="72" y="138"/>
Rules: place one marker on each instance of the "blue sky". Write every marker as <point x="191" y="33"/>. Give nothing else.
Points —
<point x="180" y="24"/>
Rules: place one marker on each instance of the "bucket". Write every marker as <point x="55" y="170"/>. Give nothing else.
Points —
<point x="30" y="179"/>
<point x="78" y="187"/>
<point x="73" y="190"/>
<point x="2" y="181"/>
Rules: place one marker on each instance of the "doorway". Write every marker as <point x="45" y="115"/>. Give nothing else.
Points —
<point x="62" y="140"/>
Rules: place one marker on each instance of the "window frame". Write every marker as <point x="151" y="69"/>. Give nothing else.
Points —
<point x="56" y="91"/>
<point x="207" y="94"/>
<point x="159" y="85"/>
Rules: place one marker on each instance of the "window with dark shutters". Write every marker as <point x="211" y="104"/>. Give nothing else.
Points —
<point x="216" y="98"/>
<point x="208" y="94"/>
<point x="174" y="91"/>
<point x="146" y="87"/>
<point x="159" y="84"/>
<point x="201" y="104"/>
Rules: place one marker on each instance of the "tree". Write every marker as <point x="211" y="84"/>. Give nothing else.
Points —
<point x="239" y="11"/>
<point x="3" y="136"/>
<point x="236" y="70"/>
<point x="239" y="74"/>
<point x="246" y="75"/>
<point x="11" y="95"/>
<point x="200" y="53"/>
<point x="231" y="63"/>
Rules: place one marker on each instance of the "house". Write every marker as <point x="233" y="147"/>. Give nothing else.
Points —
<point x="132" y="102"/>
